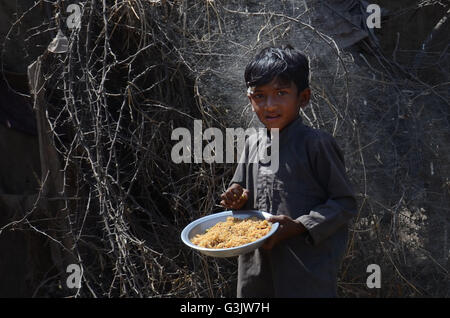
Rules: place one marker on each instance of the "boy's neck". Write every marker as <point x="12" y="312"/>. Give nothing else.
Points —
<point x="280" y="132"/>
<point x="288" y="125"/>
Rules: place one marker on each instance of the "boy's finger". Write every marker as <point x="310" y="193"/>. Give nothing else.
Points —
<point x="237" y="191"/>
<point x="235" y="196"/>
<point x="232" y="196"/>
<point x="236" y="187"/>
<point x="276" y="218"/>
<point x="229" y="196"/>
<point x="225" y="204"/>
<point x="243" y="197"/>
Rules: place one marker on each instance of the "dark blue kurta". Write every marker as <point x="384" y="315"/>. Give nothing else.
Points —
<point x="311" y="186"/>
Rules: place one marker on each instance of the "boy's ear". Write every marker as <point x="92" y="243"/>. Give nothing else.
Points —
<point x="304" y="97"/>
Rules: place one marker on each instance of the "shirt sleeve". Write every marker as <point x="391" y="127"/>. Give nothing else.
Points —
<point x="240" y="174"/>
<point x="329" y="168"/>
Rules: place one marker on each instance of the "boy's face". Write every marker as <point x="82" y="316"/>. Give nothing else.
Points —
<point x="277" y="103"/>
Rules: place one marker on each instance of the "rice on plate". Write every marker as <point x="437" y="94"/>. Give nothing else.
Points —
<point x="233" y="232"/>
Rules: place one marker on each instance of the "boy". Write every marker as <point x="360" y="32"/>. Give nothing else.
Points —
<point x="309" y="195"/>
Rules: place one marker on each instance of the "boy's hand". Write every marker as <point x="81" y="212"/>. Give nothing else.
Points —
<point x="235" y="197"/>
<point x="287" y="228"/>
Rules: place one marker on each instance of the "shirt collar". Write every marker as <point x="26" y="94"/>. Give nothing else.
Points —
<point x="284" y="133"/>
<point x="297" y="121"/>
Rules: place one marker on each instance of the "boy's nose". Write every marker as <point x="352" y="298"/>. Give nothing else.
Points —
<point x="271" y="103"/>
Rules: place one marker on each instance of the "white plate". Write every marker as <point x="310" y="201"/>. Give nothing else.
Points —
<point x="199" y="226"/>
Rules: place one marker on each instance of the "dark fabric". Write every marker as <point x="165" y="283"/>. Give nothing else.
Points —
<point x="311" y="186"/>
<point x="15" y="110"/>
<point x="343" y="20"/>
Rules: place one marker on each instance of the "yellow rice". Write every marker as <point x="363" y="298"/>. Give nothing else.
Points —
<point x="233" y="232"/>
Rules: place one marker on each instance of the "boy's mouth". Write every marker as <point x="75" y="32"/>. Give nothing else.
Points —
<point x="272" y="117"/>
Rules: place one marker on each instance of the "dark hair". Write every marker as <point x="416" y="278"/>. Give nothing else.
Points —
<point x="284" y="62"/>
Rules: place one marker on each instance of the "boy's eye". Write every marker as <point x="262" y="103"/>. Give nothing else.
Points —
<point x="282" y="93"/>
<point x="257" y="96"/>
